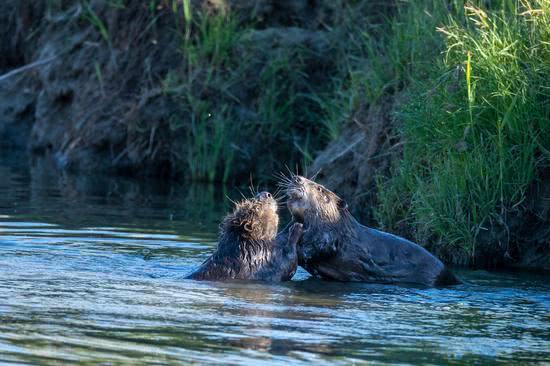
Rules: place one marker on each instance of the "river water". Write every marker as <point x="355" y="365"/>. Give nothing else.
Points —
<point x="92" y="272"/>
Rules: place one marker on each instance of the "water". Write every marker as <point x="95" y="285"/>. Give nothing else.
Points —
<point x="91" y="271"/>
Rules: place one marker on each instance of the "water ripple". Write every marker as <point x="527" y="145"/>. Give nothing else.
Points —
<point x="103" y="285"/>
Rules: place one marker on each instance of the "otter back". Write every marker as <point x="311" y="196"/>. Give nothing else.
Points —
<point x="269" y="261"/>
<point x="336" y="246"/>
<point x="249" y="247"/>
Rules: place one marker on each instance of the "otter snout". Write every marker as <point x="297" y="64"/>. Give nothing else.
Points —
<point x="296" y="204"/>
<point x="266" y="198"/>
<point x="263" y="196"/>
<point x="295" y="194"/>
<point x="296" y="201"/>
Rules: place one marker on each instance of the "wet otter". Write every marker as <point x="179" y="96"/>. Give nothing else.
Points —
<point x="249" y="247"/>
<point x="336" y="246"/>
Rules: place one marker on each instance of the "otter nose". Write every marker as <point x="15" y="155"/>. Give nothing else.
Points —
<point x="296" y="194"/>
<point x="263" y="195"/>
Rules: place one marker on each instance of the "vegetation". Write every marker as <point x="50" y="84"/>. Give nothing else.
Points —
<point x="233" y="90"/>
<point x="207" y="91"/>
<point x="475" y="123"/>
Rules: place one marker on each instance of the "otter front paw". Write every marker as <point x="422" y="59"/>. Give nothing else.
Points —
<point x="295" y="233"/>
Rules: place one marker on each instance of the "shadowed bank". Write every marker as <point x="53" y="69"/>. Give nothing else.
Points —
<point x="429" y="117"/>
<point x="92" y="271"/>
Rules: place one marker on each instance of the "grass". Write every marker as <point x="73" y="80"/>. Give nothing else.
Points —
<point x="244" y="110"/>
<point x="475" y="125"/>
<point x="471" y="85"/>
<point x="207" y="44"/>
<point x="91" y="16"/>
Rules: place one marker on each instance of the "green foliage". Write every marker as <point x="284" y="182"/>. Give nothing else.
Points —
<point x="379" y="59"/>
<point x="207" y="50"/>
<point x="240" y="100"/>
<point x="91" y="16"/>
<point x="475" y="124"/>
<point x="212" y="42"/>
<point x="209" y="136"/>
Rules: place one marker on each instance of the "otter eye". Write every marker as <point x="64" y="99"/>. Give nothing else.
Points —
<point x="319" y="189"/>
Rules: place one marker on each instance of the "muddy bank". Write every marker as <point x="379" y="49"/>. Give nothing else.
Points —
<point x="351" y="164"/>
<point x="232" y="89"/>
<point x="138" y="89"/>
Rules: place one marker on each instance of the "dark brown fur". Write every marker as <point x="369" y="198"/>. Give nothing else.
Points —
<point x="336" y="246"/>
<point x="249" y="247"/>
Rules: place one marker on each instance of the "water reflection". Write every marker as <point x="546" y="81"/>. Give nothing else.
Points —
<point x="91" y="271"/>
<point x="44" y="194"/>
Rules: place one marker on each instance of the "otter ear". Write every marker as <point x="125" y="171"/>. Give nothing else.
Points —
<point x="342" y="204"/>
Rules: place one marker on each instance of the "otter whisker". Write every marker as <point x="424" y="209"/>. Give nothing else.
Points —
<point x="316" y="174"/>
<point x="291" y="173"/>
<point x="244" y="197"/>
<point x="283" y="185"/>
<point x="283" y="179"/>
<point x="251" y="186"/>
<point x="233" y="202"/>
<point x="278" y="191"/>
<point x="278" y="174"/>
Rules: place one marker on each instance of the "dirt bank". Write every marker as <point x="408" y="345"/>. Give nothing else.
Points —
<point x="140" y="89"/>
<point x="237" y="88"/>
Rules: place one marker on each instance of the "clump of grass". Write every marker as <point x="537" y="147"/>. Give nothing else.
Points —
<point x="286" y="112"/>
<point x="209" y="153"/>
<point x="401" y="52"/>
<point x="213" y="39"/>
<point x="381" y="56"/>
<point x="240" y="101"/>
<point x="207" y="44"/>
<point x="91" y="16"/>
<point x="475" y="126"/>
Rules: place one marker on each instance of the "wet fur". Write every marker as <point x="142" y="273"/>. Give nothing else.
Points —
<point x="249" y="247"/>
<point x="336" y="246"/>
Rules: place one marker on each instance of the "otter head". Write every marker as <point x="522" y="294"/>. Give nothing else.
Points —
<point x="312" y="204"/>
<point x="253" y="219"/>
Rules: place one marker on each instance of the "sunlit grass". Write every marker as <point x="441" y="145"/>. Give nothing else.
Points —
<point x="470" y="87"/>
<point x="476" y="127"/>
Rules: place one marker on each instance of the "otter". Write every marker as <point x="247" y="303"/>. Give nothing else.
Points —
<point x="249" y="247"/>
<point x="335" y="246"/>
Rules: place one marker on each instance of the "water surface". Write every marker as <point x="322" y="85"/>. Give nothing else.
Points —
<point x="91" y="271"/>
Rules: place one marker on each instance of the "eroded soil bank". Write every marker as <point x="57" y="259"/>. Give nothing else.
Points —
<point x="229" y="89"/>
<point x="137" y="88"/>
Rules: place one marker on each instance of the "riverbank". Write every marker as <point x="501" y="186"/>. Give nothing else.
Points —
<point x="93" y="271"/>
<point x="430" y="118"/>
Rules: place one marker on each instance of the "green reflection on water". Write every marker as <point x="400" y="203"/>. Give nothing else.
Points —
<point x="92" y="268"/>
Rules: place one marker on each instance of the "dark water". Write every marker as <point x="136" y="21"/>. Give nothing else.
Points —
<point x="91" y="271"/>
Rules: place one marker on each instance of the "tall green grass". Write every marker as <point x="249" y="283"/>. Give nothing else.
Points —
<point x="200" y="87"/>
<point x="475" y="124"/>
<point x="472" y="86"/>
<point x="91" y="16"/>
<point x="245" y="108"/>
